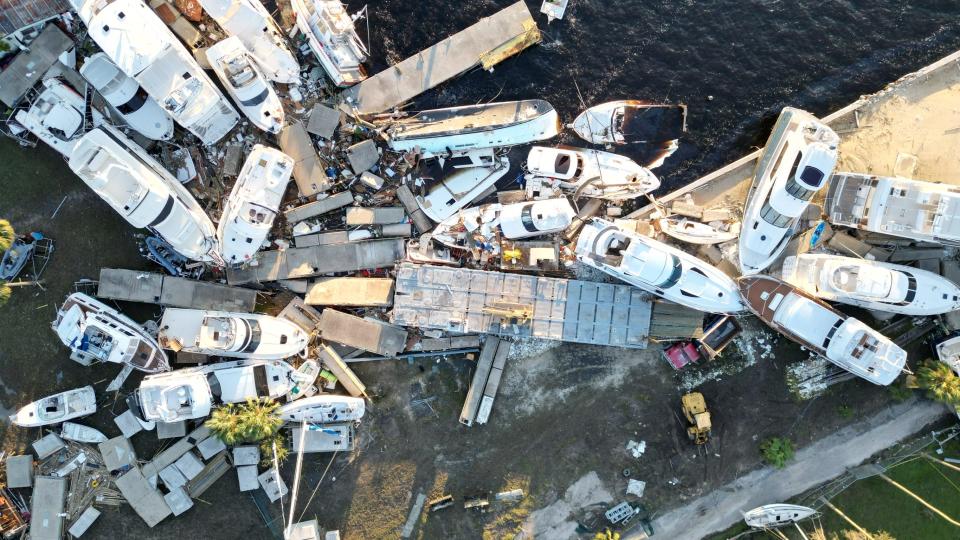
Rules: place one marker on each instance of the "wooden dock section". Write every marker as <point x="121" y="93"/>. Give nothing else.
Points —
<point x="149" y="287"/>
<point x="486" y="43"/>
<point x="304" y="262"/>
<point x="909" y="129"/>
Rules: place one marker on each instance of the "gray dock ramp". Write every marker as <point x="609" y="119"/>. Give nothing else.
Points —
<point x="146" y="501"/>
<point x="149" y="287"/>
<point x="486" y="43"/>
<point x="46" y="508"/>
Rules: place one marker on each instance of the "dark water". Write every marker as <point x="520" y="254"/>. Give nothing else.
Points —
<point x="754" y="57"/>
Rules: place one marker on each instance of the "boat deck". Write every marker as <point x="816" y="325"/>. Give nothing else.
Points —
<point x="910" y="129"/>
<point x="485" y="43"/>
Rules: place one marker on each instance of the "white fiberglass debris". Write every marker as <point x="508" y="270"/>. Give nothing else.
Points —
<point x="637" y="448"/>
<point x="636" y="487"/>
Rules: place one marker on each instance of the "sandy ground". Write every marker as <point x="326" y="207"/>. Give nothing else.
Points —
<point x="845" y="448"/>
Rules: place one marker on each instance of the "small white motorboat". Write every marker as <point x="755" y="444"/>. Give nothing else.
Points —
<point x="260" y="34"/>
<point x="233" y="335"/>
<point x="695" y="232"/>
<point x="631" y="121"/>
<point x="482" y="226"/>
<point x="776" y="515"/>
<point x="323" y="409"/>
<point x="303" y="379"/>
<point x="460" y="187"/>
<point x="333" y="39"/>
<point x="81" y="433"/>
<point x="553" y="9"/>
<point x="252" y="207"/>
<point x="58" y="116"/>
<point x="57" y="408"/>
<point x="585" y="173"/>
<point x="246" y="84"/>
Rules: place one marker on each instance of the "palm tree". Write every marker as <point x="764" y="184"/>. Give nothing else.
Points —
<point x="7" y="235"/>
<point x="267" y="447"/>
<point x="254" y="421"/>
<point x="940" y="382"/>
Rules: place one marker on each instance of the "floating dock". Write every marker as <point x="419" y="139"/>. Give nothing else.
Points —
<point x="137" y="286"/>
<point x="468" y="301"/>
<point x="304" y="262"/>
<point x="911" y="129"/>
<point x="486" y="43"/>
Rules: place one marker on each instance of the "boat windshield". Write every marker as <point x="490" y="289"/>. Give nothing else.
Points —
<point x="135" y="102"/>
<point x="675" y="274"/>
<point x="255" y="100"/>
<point x="773" y="217"/>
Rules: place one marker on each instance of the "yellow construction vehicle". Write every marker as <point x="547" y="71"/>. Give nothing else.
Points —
<point x="695" y="409"/>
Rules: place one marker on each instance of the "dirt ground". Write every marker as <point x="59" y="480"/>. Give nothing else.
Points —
<point x="563" y="418"/>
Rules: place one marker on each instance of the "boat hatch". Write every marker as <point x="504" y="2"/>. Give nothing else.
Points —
<point x="776" y="301"/>
<point x="260" y="381"/>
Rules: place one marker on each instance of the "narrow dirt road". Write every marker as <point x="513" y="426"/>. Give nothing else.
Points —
<point x="813" y="465"/>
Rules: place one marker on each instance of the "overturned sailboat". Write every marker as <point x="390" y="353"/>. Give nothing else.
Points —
<point x="143" y="192"/>
<point x="125" y="95"/>
<point x="252" y="206"/>
<point x="776" y="515"/>
<point x="657" y="268"/>
<point x="144" y="48"/>
<point x="246" y="84"/>
<point x="893" y="288"/>
<point x="95" y="332"/>
<point x="190" y="393"/>
<point x="586" y="173"/>
<point x="482" y="226"/>
<point x="58" y="116"/>
<point x="323" y="409"/>
<point x="249" y="21"/>
<point x="233" y="335"/>
<point x="843" y="340"/>
<point x="795" y="164"/>
<point x="333" y="39"/>
<point x="456" y="130"/>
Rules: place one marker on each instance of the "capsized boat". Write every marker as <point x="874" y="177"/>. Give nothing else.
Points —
<point x="553" y="9"/>
<point x="482" y="226"/>
<point x="15" y="258"/>
<point x="631" y="121"/>
<point x="586" y="173"/>
<point x="795" y="164"/>
<point x="323" y="409"/>
<point x="81" y="433"/>
<point x="903" y="207"/>
<point x="333" y="39"/>
<point x="190" y="393"/>
<point x="143" y="192"/>
<point x="776" y="515"/>
<point x="843" y="340"/>
<point x="260" y="34"/>
<point x="125" y="95"/>
<point x="95" y="332"/>
<point x="254" y="201"/>
<point x="57" y="408"/>
<point x="695" y="232"/>
<point x="459" y="187"/>
<point x="135" y="38"/>
<point x="872" y="284"/>
<point x="246" y="84"/>
<point x="657" y="268"/>
<point x="233" y="335"/>
<point x="455" y="130"/>
<point x="57" y="116"/>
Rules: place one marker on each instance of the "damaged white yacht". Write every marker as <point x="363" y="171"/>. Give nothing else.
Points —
<point x="138" y="109"/>
<point x="481" y="226"/>
<point x="795" y="164"/>
<point x="95" y="332"/>
<point x="843" y="340"/>
<point x="143" y="47"/>
<point x="252" y="206"/>
<point x="143" y="192"/>
<point x="235" y="335"/>
<point x="586" y="173"/>
<point x="57" y="116"/>
<point x="322" y="409"/>
<point x="246" y="84"/>
<point x="893" y="288"/>
<point x="190" y="393"/>
<point x="260" y="34"/>
<point x="333" y="39"/>
<point x="657" y="268"/>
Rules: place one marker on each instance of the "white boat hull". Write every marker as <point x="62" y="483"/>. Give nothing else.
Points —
<point x="323" y="409"/>
<point x="57" y="408"/>
<point x="776" y="515"/>
<point x="586" y="173"/>
<point x="267" y="113"/>
<point x="81" y="433"/>
<point x="694" y="232"/>
<point x="460" y="188"/>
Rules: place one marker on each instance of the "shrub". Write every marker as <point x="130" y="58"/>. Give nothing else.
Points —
<point x="845" y="411"/>
<point x="7" y="235"/>
<point x="5" y="293"/>
<point x="266" y="450"/>
<point x="777" y="451"/>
